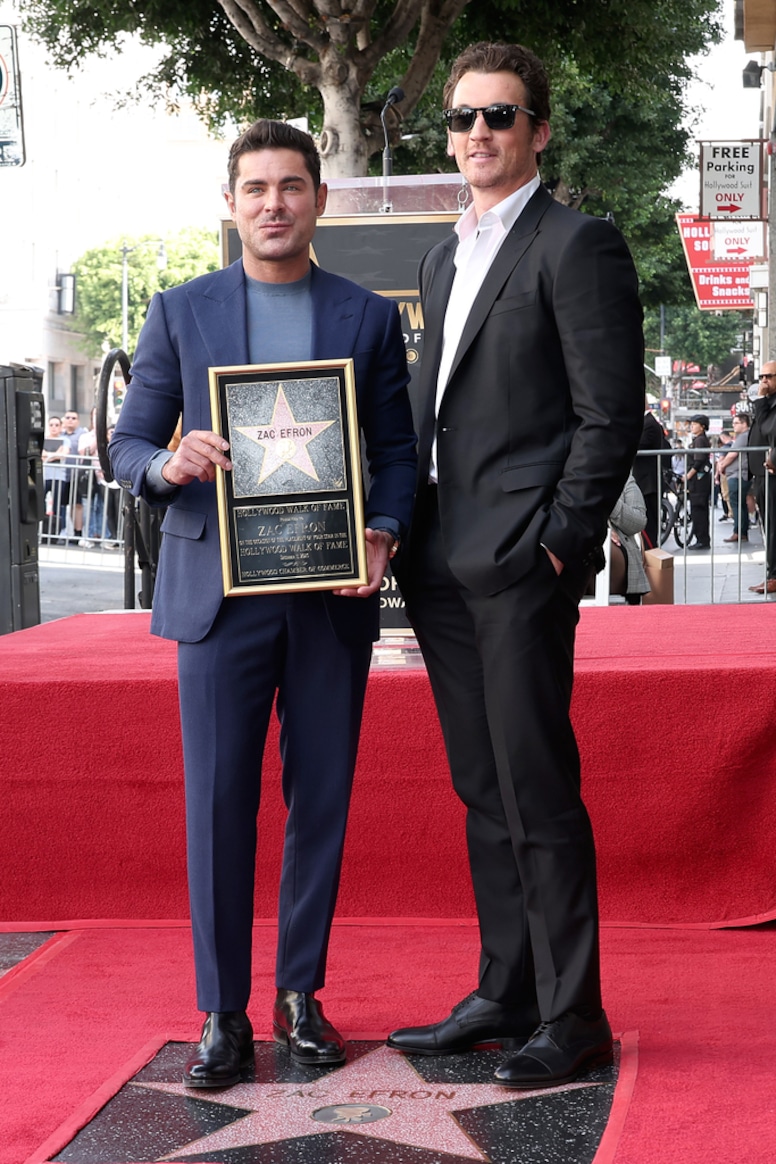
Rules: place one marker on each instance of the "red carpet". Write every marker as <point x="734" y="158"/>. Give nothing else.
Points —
<point x="80" y="1017"/>
<point x="674" y="708"/>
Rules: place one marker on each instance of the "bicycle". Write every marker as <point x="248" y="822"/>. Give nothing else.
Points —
<point x="675" y="514"/>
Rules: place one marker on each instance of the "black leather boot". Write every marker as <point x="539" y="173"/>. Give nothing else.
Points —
<point x="299" y="1023"/>
<point x="226" y="1046"/>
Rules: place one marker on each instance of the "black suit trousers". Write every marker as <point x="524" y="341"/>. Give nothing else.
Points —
<point x="501" y="670"/>
<point x="765" y="494"/>
<point x="699" y="493"/>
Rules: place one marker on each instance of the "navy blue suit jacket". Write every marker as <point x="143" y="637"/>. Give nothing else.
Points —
<point x="202" y="324"/>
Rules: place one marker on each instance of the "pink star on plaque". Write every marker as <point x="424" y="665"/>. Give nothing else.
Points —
<point x="379" y="1095"/>
<point x="285" y="439"/>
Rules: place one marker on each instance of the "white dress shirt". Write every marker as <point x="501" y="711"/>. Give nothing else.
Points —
<point x="479" y="241"/>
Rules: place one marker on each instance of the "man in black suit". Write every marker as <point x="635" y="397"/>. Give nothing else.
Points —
<point x="699" y="480"/>
<point x="530" y="411"/>
<point x="763" y="432"/>
<point x="648" y="472"/>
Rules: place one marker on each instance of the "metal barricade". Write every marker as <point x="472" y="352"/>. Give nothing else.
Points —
<point x="87" y="513"/>
<point x="725" y="573"/>
<point x="82" y="509"/>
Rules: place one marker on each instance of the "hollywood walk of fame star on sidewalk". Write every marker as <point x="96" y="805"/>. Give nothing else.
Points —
<point x="285" y="439"/>
<point x="421" y="1113"/>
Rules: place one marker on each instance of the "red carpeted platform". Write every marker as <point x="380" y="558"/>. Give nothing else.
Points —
<point x="674" y="709"/>
<point x="85" y="1013"/>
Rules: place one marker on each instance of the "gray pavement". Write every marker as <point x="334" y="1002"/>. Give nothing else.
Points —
<point x="722" y="574"/>
<point x="75" y="580"/>
<point x="80" y="581"/>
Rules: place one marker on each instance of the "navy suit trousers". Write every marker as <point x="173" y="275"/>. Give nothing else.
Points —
<point x="260" y="646"/>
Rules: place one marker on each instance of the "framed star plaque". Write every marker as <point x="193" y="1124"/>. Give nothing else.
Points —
<point x="291" y="511"/>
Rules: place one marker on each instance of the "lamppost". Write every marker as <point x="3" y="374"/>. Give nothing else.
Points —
<point x="161" y="262"/>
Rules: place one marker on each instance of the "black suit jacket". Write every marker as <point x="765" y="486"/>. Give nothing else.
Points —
<point x="543" y="409"/>
<point x="762" y="432"/>
<point x="645" y="469"/>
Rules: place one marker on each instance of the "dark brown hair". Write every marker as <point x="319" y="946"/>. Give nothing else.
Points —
<point x="496" y="57"/>
<point x="274" y="135"/>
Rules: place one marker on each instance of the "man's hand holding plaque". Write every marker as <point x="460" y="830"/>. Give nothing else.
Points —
<point x="378" y="546"/>
<point x="196" y="457"/>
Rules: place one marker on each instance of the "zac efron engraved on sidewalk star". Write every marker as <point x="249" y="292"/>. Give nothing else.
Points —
<point x="379" y="1095"/>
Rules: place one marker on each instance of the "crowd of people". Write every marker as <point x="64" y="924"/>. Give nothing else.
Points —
<point x="81" y="507"/>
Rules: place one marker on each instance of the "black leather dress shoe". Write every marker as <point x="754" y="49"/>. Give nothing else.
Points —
<point x="557" y="1052"/>
<point x="226" y="1046"/>
<point x="299" y="1023"/>
<point x="472" y="1021"/>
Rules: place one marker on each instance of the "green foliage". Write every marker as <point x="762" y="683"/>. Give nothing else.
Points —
<point x="697" y="337"/>
<point x="99" y="278"/>
<point x="425" y="150"/>
<point x="622" y="43"/>
<point x="618" y="68"/>
<point x="629" y="46"/>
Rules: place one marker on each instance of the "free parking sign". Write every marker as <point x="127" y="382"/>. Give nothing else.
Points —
<point x="732" y="179"/>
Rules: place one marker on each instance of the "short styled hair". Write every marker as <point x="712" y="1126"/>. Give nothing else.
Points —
<point x="274" y="135"/>
<point x="497" y="57"/>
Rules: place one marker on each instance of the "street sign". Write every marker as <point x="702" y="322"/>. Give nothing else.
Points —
<point x="718" y="286"/>
<point x="11" y="130"/>
<point x="662" y="366"/>
<point x="731" y="179"/>
<point x="738" y="241"/>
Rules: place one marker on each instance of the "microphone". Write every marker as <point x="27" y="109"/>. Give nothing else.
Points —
<point x="395" y="95"/>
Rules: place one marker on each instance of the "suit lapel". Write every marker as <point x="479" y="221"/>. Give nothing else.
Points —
<point x="336" y="317"/>
<point x="436" y="292"/>
<point x="509" y="255"/>
<point x="219" y="312"/>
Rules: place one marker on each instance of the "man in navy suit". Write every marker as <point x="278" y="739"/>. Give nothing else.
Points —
<point x="310" y="649"/>
<point x="530" y="411"/>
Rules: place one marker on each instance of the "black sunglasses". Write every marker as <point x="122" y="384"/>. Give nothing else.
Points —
<point x="462" y="119"/>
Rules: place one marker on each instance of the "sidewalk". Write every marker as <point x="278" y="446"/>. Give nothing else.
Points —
<point x="722" y="574"/>
<point x="80" y="581"/>
<point x="75" y="580"/>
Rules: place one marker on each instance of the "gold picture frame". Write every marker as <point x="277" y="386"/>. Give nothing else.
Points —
<point x="291" y="509"/>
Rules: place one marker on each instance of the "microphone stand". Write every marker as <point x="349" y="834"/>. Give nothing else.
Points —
<point x="396" y="94"/>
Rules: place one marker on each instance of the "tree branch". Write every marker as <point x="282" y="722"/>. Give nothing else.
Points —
<point x="294" y="15"/>
<point x="252" y="27"/>
<point x="401" y="23"/>
<point x="436" y="20"/>
<point x="301" y="8"/>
